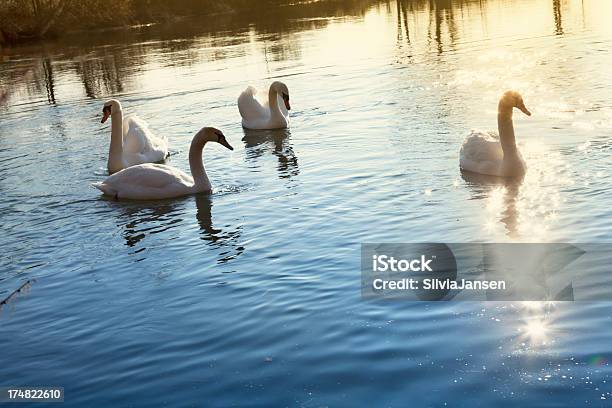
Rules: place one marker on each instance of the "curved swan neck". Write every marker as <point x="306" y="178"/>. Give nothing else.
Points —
<point x="273" y="102"/>
<point x="505" y="128"/>
<point x="200" y="178"/>
<point x="115" y="151"/>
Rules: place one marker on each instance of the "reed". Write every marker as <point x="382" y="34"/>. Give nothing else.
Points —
<point x="31" y="19"/>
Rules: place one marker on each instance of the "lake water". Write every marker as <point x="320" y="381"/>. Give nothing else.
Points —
<point x="252" y="296"/>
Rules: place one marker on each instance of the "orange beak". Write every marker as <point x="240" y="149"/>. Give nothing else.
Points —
<point x="524" y="109"/>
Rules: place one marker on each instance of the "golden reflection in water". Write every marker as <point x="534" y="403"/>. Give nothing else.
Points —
<point x="379" y="30"/>
<point x="538" y="199"/>
<point x="316" y="34"/>
<point x="526" y="208"/>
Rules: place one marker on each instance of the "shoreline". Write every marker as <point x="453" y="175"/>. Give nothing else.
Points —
<point x="18" y="39"/>
<point x="56" y="24"/>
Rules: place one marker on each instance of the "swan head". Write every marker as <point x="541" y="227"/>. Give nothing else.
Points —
<point x="110" y="107"/>
<point x="510" y="100"/>
<point x="210" y="134"/>
<point x="283" y="91"/>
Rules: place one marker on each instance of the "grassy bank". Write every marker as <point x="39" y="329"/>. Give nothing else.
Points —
<point x="34" y="19"/>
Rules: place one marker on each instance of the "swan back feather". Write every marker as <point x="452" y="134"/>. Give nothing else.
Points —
<point x="147" y="181"/>
<point x="139" y="140"/>
<point x="260" y="113"/>
<point x="132" y="142"/>
<point x="481" y="152"/>
<point x="151" y="181"/>
<point x="251" y="108"/>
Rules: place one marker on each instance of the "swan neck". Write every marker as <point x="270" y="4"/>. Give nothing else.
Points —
<point x="200" y="178"/>
<point x="506" y="132"/>
<point x="273" y="102"/>
<point x="115" y="152"/>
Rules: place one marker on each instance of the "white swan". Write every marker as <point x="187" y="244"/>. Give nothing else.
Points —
<point x="496" y="154"/>
<point x="267" y="115"/>
<point x="158" y="181"/>
<point x="131" y="140"/>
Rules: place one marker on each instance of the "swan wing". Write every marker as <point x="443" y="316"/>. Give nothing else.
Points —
<point x="147" y="181"/>
<point x="140" y="145"/>
<point x="481" y="152"/>
<point x="251" y="109"/>
<point x="482" y="146"/>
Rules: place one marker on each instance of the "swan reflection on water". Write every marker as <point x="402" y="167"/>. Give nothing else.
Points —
<point x="140" y="220"/>
<point x="528" y="205"/>
<point x="226" y="240"/>
<point x="258" y="142"/>
<point x="501" y="194"/>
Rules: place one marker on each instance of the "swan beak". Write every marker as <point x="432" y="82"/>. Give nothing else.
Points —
<point x="524" y="109"/>
<point x="224" y="143"/>
<point x="286" y="100"/>
<point x="105" y="116"/>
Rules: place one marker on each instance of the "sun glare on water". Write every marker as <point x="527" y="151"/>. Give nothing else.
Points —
<point x="528" y="208"/>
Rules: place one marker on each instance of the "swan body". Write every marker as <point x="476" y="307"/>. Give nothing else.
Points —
<point x="131" y="140"/>
<point x="495" y="153"/>
<point x="482" y="153"/>
<point x="151" y="181"/>
<point x="270" y="114"/>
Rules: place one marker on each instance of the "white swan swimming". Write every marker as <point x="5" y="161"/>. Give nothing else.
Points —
<point x="131" y="140"/>
<point x="158" y="181"/>
<point x="496" y="154"/>
<point x="267" y="115"/>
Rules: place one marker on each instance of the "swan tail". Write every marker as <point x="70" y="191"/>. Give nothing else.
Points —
<point x="104" y="188"/>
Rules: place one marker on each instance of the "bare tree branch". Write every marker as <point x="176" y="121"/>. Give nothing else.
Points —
<point x="59" y="8"/>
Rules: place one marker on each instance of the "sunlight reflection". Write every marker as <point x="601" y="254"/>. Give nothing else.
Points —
<point x="536" y="327"/>
<point x="537" y="305"/>
<point x="532" y="305"/>
<point x="539" y="200"/>
<point x="495" y="200"/>
<point x="535" y="331"/>
<point x="497" y="66"/>
<point x="527" y="208"/>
